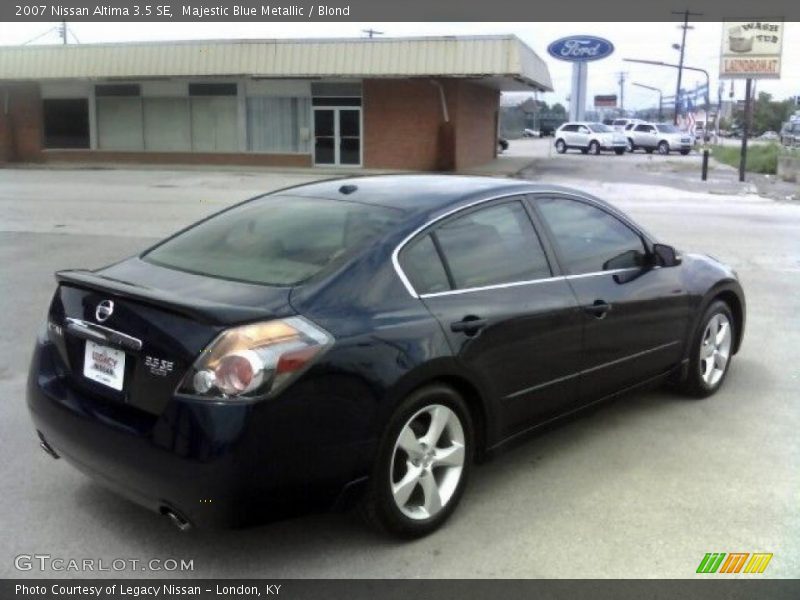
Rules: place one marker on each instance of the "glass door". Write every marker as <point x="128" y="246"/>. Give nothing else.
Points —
<point x="337" y="136"/>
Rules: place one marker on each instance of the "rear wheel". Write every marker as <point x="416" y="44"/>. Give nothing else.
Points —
<point x="711" y="351"/>
<point x="631" y="146"/>
<point x="663" y="147"/>
<point x="423" y="464"/>
<point x="561" y="146"/>
<point x="619" y="151"/>
<point x="594" y="147"/>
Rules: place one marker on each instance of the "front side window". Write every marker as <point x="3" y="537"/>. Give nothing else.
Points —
<point x="492" y="246"/>
<point x="590" y="239"/>
<point x="275" y="240"/>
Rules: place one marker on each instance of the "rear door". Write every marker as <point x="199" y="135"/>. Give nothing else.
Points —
<point x="635" y="316"/>
<point x="511" y="319"/>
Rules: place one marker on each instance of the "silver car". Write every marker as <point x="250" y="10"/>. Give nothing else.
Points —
<point x="589" y="138"/>
<point x="662" y="137"/>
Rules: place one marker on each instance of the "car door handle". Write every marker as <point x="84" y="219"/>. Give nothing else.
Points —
<point x="469" y="325"/>
<point x="598" y="309"/>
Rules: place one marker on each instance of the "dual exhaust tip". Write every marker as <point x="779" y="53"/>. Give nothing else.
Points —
<point x="177" y="519"/>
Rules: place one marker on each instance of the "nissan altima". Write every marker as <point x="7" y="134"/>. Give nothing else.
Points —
<point x="363" y="342"/>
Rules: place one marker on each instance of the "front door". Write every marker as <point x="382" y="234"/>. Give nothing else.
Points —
<point x="337" y="136"/>
<point x="635" y="316"/>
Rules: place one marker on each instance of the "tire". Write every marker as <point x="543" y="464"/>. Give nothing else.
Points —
<point x="619" y="151"/>
<point x="594" y="147"/>
<point x="561" y="146"/>
<point x="705" y="377"/>
<point x="685" y="152"/>
<point x="663" y="147"/>
<point x="411" y="510"/>
<point x="631" y="145"/>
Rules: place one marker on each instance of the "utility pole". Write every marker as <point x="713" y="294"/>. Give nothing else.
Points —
<point x="371" y="32"/>
<point x="622" y="75"/>
<point x="748" y="111"/>
<point x="63" y="32"/>
<point x="686" y="14"/>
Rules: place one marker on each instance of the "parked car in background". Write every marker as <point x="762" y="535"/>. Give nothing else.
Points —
<point x="529" y="133"/>
<point x="589" y="138"/>
<point x="622" y="124"/>
<point x="661" y="137"/>
<point x="790" y="134"/>
<point x="769" y="136"/>
<point x="364" y="341"/>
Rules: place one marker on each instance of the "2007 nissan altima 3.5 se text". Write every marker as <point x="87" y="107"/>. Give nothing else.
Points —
<point x="364" y="342"/>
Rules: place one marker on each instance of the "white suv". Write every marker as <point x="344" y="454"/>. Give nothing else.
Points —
<point x="662" y="137"/>
<point x="589" y="137"/>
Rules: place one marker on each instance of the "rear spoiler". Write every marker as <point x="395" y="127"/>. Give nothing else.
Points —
<point x="199" y="310"/>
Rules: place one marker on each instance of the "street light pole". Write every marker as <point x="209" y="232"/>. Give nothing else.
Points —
<point x="659" y="63"/>
<point x="686" y="14"/>
<point x="660" y="96"/>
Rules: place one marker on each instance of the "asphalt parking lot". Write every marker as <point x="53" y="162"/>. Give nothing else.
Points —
<point x="642" y="487"/>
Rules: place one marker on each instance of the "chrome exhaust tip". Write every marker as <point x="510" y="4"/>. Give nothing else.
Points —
<point x="46" y="447"/>
<point x="176" y="519"/>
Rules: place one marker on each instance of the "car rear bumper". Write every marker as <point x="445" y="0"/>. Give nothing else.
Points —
<point x="221" y="465"/>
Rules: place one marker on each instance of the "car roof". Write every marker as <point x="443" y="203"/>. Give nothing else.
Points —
<point x="418" y="193"/>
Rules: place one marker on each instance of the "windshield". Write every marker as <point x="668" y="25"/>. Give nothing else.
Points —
<point x="599" y="128"/>
<point x="668" y="129"/>
<point x="274" y="240"/>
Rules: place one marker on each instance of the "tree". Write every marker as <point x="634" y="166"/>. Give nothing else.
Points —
<point x="558" y="108"/>
<point x="768" y="114"/>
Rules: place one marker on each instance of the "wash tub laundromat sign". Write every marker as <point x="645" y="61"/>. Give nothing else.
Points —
<point x="751" y="49"/>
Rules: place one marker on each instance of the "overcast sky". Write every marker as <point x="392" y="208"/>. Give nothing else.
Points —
<point x="652" y="41"/>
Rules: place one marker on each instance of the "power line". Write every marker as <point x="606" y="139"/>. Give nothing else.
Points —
<point x="41" y="35"/>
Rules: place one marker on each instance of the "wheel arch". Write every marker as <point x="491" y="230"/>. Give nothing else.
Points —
<point x="447" y="372"/>
<point x="731" y="293"/>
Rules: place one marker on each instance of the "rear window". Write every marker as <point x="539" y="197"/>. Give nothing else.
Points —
<point x="275" y="240"/>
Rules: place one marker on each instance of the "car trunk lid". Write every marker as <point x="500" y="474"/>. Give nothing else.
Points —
<point x="159" y="321"/>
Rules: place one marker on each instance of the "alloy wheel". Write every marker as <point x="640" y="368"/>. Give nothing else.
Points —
<point x="427" y="462"/>
<point x="715" y="349"/>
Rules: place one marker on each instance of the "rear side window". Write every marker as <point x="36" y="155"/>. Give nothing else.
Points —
<point x="492" y="246"/>
<point x="275" y="240"/>
<point x="590" y="239"/>
<point x="423" y="267"/>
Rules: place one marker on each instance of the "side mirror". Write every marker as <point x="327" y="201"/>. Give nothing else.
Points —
<point x="666" y="256"/>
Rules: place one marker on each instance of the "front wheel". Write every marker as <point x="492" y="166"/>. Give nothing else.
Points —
<point x="631" y="145"/>
<point x="711" y="351"/>
<point x="594" y="147"/>
<point x="423" y="464"/>
<point x="561" y="146"/>
<point x="663" y="148"/>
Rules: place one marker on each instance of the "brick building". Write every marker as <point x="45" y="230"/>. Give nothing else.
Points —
<point x="398" y="103"/>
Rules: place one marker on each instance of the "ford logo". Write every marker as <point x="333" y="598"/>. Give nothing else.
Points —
<point x="104" y="310"/>
<point x="580" y="48"/>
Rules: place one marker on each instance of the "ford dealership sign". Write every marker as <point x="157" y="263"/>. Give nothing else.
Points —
<point x="580" y="48"/>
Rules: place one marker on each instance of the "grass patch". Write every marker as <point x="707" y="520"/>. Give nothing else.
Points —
<point x="761" y="158"/>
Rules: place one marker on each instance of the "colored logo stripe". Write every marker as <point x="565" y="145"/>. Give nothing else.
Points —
<point x="758" y="563"/>
<point x="714" y="562"/>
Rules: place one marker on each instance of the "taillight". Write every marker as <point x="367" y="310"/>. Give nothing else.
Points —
<point x="256" y="360"/>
